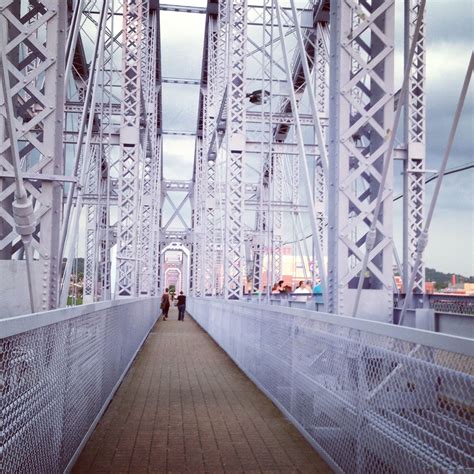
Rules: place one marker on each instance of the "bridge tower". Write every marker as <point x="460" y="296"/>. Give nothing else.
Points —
<point x="360" y="120"/>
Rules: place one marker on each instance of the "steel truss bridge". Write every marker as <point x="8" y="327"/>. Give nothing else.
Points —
<point x="299" y="126"/>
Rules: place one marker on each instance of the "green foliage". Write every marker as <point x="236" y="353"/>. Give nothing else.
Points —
<point x="74" y="302"/>
<point x="442" y="280"/>
<point x="77" y="266"/>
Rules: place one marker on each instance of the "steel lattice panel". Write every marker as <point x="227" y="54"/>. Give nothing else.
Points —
<point x="369" y="402"/>
<point x="56" y="379"/>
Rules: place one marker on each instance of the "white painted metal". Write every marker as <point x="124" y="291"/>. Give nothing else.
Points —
<point x="423" y="239"/>
<point x="129" y="182"/>
<point x="369" y="397"/>
<point x="61" y="369"/>
<point x="34" y="40"/>
<point x="300" y="139"/>
<point x="391" y="134"/>
<point x="150" y="175"/>
<point x="235" y="148"/>
<point x="415" y="138"/>
<point x="361" y="111"/>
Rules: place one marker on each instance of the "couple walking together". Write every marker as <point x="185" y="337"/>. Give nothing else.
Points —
<point x="166" y="303"/>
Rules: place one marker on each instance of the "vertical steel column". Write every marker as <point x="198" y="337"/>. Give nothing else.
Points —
<point x="156" y="208"/>
<point x="361" y="112"/>
<point x="103" y="231"/>
<point x="147" y="111"/>
<point x="33" y="38"/>
<point x="127" y="238"/>
<point x="109" y="163"/>
<point x="150" y="176"/>
<point x="92" y="224"/>
<point x="216" y="85"/>
<point x="321" y="90"/>
<point x="198" y="216"/>
<point x="233" y="262"/>
<point x="262" y="239"/>
<point x="415" y="138"/>
<point x="277" y="229"/>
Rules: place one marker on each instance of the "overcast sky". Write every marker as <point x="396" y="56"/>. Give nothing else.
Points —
<point x="449" y="44"/>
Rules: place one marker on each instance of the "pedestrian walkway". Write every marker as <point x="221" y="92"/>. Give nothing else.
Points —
<point x="184" y="406"/>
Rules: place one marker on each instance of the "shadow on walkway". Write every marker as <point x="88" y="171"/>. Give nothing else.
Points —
<point x="184" y="406"/>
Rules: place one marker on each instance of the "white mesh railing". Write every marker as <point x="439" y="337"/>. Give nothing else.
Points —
<point x="370" y="397"/>
<point x="58" y="371"/>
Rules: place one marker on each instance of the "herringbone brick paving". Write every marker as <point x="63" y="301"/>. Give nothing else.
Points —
<point x="184" y="406"/>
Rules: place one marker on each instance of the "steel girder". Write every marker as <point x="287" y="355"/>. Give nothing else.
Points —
<point x="33" y="40"/>
<point x="214" y="93"/>
<point x="415" y="138"/>
<point x="148" y="252"/>
<point x="321" y="91"/>
<point x="235" y="148"/>
<point x="198" y="215"/>
<point x="361" y="111"/>
<point x="127" y="239"/>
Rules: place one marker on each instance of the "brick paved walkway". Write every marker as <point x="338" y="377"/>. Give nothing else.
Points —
<point x="184" y="406"/>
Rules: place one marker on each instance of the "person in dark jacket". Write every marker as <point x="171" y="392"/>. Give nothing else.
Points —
<point x="181" y="306"/>
<point x="165" y="304"/>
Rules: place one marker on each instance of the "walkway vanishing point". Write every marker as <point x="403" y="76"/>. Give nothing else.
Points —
<point x="184" y="406"/>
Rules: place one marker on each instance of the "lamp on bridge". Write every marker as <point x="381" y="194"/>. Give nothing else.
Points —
<point x="258" y="96"/>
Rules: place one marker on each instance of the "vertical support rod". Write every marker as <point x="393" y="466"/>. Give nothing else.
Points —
<point x="423" y="240"/>
<point x="299" y="135"/>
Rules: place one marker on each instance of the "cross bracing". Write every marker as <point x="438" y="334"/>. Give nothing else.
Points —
<point x="279" y="146"/>
<point x="296" y="105"/>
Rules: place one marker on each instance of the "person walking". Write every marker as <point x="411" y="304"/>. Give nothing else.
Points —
<point x="181" y="306"/>
<point x="165" y="304"/>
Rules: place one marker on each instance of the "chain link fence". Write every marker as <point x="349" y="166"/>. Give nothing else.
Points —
<point x="370" y="397"/>
<point x="58" y="371"/>
<point x="452" y="304"/>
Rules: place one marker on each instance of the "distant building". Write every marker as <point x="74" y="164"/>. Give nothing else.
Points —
<point x="430" y="287"/>
<point x="469" y="289"/>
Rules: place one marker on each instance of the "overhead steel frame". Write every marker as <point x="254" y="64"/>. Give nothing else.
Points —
<point x="33" y="40"/>
<point x="415" y="138"/>
<point x="361" y="111"/>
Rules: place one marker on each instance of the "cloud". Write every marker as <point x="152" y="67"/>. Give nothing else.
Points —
<point x="180" y="107"/>
<point x="182" y="37"/>
<point x="178" y="154"/>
